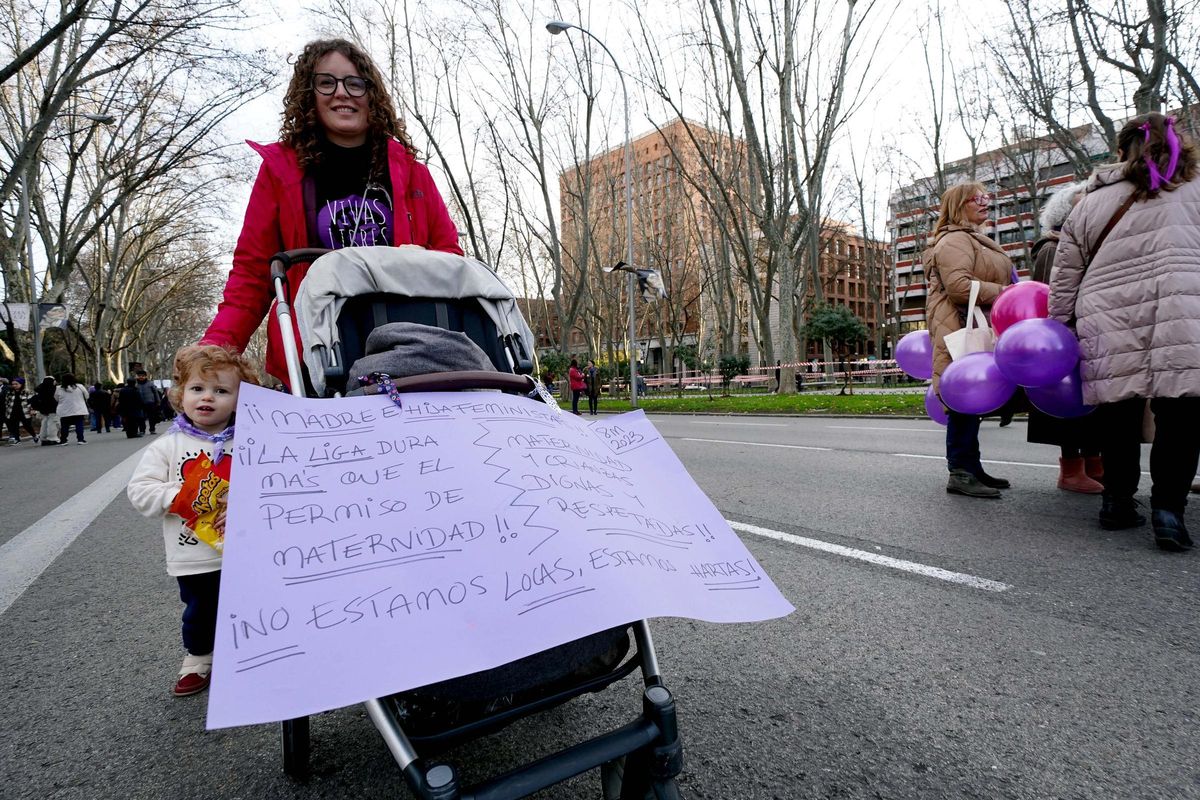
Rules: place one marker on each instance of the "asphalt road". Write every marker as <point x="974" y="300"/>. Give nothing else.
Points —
<point x="1072" y="674"/>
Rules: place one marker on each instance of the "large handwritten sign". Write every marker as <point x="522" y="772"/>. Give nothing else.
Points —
<point x="372" y="549"/>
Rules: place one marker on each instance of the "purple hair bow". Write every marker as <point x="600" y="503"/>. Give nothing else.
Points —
<point x="1158" y="178"/>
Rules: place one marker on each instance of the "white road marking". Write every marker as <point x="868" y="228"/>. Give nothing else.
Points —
<point x="987" y="461"/>
<point x="27" y="555"/>
<point x="757" y="444"/>
<point x="759" y="424"/>
<point x="875" y="558"/>
<point x="869" y="428"/>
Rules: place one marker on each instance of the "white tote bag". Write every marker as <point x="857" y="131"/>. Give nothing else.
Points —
<point x="974" y="337"/>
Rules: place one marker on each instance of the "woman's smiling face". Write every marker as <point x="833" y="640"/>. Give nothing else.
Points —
<point x="343" y="117"/>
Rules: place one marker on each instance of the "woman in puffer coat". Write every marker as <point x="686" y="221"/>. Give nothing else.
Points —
<point x="961" y="254"/>
<point x="1138" y="309"/>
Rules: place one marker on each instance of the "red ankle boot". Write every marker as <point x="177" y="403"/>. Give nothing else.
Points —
<point x="1094" y="467"/>
<point x="1072" y="478"/>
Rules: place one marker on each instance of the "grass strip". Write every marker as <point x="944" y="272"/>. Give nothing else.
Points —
<point x="864" y="404"/>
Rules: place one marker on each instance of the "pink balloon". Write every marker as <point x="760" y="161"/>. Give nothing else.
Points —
<point x="1025" y="300"/>
<point x="934" y="407"/>
<point x="974" y="385"/>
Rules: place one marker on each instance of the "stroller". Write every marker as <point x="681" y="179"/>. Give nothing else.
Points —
<point x="346" y="295"/>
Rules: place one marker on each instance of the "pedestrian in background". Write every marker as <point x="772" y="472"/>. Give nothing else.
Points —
<point x="151" y="396"/>
<point x="14" y="402"/>
<point x="1080" y="467"/>
<point x="183" y="477"/>
<point x="591" y="376"/>
<point x="101" y="405"/>
<point x="166" y="411"/>
<point x="43" y="402"/>
<point x="961" y="254"/>
<point x="72" y="408"/>
<point x="129" y="406"/>
<point x="1135" y="302"/>
<point x="577" y="385"/>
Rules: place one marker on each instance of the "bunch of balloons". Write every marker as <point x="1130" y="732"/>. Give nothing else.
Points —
<point x="1032" y="351"/>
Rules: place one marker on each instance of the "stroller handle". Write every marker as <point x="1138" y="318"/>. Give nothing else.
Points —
<point x="465" y="379"/>
<point x="282" y="262"/>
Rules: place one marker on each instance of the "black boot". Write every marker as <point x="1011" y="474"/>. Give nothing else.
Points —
<point x="963" y="482"/>
<point x="988" y="480"/>
<point x="1169" y="531"/>
<point x="1119" y="513"/>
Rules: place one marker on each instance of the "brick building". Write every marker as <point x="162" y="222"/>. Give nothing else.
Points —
<point x="1020" y="177"/>
<point x="673" y="231"/>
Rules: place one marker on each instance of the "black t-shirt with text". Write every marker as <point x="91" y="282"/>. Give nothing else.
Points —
<point x="353" y="208"/>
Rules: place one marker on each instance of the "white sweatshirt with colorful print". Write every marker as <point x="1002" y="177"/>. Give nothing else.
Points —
<point x="178" y="481"/>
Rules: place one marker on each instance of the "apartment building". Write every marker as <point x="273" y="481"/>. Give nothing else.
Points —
<point x="673" y="234"/>
<point x="1020" y="177"/>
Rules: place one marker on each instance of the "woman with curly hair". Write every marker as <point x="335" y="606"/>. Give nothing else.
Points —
<point x="1135" y="297"/>
<point x="344" y="174"/>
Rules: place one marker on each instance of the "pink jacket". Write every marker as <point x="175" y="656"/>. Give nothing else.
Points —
<point x="275" y="221"/>
<point x="1138" y="305"/>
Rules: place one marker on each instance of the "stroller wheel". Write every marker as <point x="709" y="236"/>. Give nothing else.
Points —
<point x="639" y="786"/>
<point x="294" y="737"/>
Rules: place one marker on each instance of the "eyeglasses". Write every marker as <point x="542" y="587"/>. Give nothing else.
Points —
<point x="982" y="200"/>
<point x="324" y="83"/>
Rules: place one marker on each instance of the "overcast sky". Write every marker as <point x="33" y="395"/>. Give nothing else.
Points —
<point x="887" y="129"/>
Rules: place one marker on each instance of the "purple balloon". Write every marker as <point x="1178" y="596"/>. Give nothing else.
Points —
<point x="914" y="355"/>
<point x="1063" y="399"/>
<point x="974" y="385"/>
<point x="934" y="407"/>
<point x="1037" y="352"/>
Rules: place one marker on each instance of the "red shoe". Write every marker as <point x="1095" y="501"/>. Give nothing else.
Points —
<point x="192" y="683"/>
<point x="1094" y="467"/>
<point x="194" y="675"/>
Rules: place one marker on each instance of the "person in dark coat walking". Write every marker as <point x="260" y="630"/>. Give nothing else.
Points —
<point x="100" y="402"/>
<point x="43" y="402"/>
<point x="1080" y="467"/>
<point x="129" y="406"/>
<point x="13" y="402"/>
<point x="151" y="396"/>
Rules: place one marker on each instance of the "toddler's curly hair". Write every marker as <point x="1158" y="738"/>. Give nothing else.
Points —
<point x="206" y="358"/>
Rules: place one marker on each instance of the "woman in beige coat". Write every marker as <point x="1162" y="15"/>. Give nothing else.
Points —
<point x="961" y="254"/>
<point x="1138" y="309"/>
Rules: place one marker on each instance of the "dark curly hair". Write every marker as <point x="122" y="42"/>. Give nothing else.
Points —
<point x="301" y="127"/>
<point x="1145" y="136"/>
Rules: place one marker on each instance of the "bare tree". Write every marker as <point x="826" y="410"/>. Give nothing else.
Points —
<point x="1129" y="56"/>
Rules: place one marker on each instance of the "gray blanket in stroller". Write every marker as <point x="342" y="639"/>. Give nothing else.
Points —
<point x="409" y="271"/>
<point x="401" y="349"/>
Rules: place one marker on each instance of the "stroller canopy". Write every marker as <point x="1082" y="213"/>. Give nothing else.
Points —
<point x="406" y="271"/>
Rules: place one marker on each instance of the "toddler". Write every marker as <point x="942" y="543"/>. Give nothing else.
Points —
<point x="183" y="477"/>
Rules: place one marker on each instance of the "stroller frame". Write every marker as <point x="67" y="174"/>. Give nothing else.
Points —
<point x="638" y="761"/>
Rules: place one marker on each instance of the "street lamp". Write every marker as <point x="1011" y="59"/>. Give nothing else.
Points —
<point x="556" y="27"/>
<point x="34" y="309"/>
